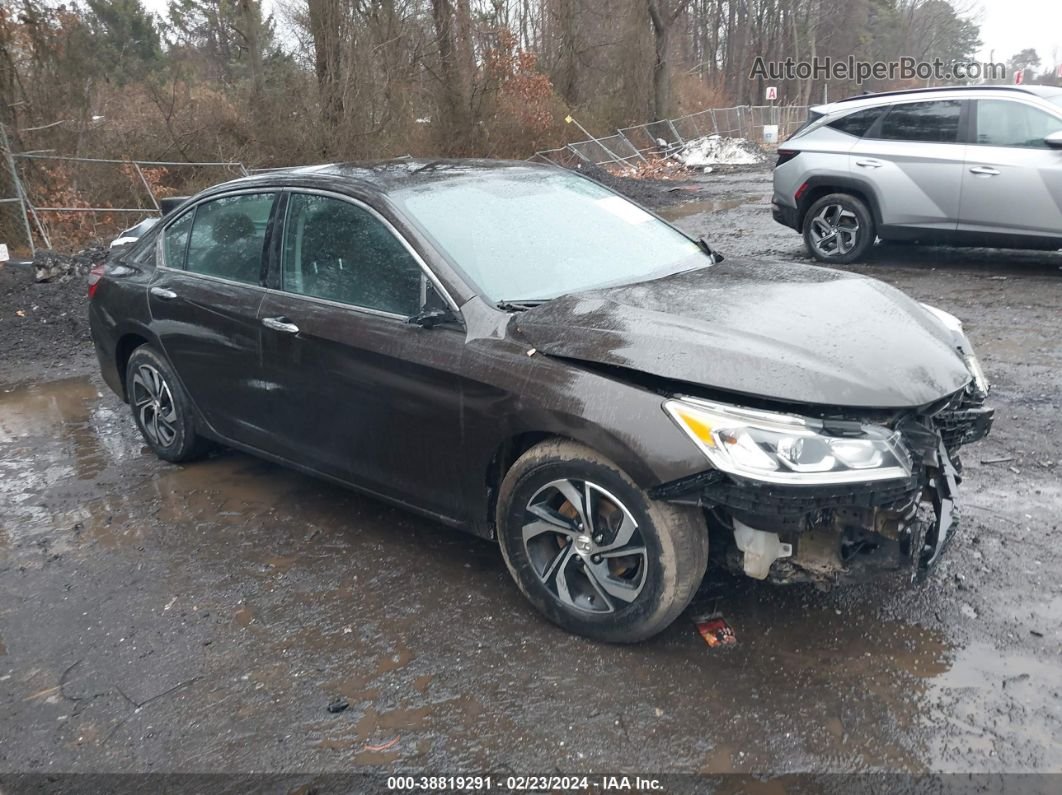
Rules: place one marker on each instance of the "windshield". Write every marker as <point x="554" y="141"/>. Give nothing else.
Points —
<point x="528" y="235"/>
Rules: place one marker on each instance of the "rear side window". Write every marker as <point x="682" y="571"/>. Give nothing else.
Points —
<point x="858" y="123"/>
<point x="1001" y="122"/>
<point x="228" y="236"/>
<point x="143" y="249"/>
<point x="810" y="120"/>
<point x="928" y="122"/>
<point x="339" y="251"/>
<point x="175" y="240"/>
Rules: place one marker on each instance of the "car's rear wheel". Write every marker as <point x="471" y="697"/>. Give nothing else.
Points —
<point x="161" y="409"/>
<point x="838" y="228"/>
<point x="591" y="550"/>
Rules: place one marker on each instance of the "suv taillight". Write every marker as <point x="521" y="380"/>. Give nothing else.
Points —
<point x="94" y="277"/>
<point x="785" y="155"/>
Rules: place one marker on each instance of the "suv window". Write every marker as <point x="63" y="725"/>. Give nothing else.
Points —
<point x="228" y="236"/>
<point x="858" y="123"/>
<point x="175" y="240"/>
<point x="1001" y="122"/>
<point x="928" y="122"/>
<point x="336" y="250"/>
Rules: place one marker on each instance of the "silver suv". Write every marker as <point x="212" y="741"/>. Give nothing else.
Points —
<point x="974" y="165"/>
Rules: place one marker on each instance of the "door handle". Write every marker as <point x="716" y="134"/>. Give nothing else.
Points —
<point x="163" y="293"/>
<point x="281" y="324"/>
<point x="869" y="163"/>
<point x="984" y="171"/>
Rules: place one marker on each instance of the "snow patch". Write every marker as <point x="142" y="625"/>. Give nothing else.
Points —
<point x="717" y="150"/>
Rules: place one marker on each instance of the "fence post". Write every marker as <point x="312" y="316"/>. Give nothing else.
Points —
<point x="675" y="133"/>
<point x="571" y="120"/>
<point x="143" y="179"/>
<point x="630" y="143"/>
<point x="715" y="124"/>
<point x="17" y="185"/>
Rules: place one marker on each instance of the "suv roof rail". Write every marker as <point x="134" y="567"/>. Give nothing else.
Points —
<point x="931" y="89"/>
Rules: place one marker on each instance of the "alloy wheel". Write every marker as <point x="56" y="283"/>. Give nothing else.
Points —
<point x="153" y="404"/>
<point x="585" y="546"/>
<point x="834" y="231"/>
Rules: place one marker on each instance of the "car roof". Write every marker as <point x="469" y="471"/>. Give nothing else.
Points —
<point x="384" y="176"/>
<point x="945" y="92"/>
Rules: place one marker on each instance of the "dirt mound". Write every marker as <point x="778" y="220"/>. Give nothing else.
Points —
<point x="43" y="325"/>
<point x="51" y="265"/>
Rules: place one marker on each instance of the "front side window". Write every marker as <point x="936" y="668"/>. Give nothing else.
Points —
<point x="927" y="122"/>
<point x="1001" y="122"/>
<point x="228" y="236"/>
<point x="534" y="234"/>
<point x="336" y="250"/>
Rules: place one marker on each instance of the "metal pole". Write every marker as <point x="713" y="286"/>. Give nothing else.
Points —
<point x="37" y="221"/>
<point x="631" y="145"/>
<point x="675" y="133"/>
<point x="147" y="187"/>
<point x="17" y="184"/>
<point x="571" y="120"/>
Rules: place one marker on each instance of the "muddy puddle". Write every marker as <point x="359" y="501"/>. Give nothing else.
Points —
<point x="704" y="206"/>
<point x="239" y="598"/>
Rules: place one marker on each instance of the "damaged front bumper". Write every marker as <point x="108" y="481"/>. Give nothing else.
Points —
<point x="835" y="533"/>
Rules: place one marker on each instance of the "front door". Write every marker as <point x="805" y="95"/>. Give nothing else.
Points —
<point x="204" y="303"/>
<point x="356" y="391"/>
<point x="1012" y="182"/>
<point x="913" y="157"/>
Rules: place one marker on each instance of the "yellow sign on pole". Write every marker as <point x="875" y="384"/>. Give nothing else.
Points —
<point x="568" y="119"/>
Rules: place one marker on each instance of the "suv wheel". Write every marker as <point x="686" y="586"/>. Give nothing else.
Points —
<point x="838" y="228"/>
<point x="161" y="409"/>
<point x="589" y="548"/>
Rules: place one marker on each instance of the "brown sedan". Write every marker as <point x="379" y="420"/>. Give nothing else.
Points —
<point x="521" y="353"/>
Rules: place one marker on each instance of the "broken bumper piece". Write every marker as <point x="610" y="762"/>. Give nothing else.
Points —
<point x="837" y="533"/>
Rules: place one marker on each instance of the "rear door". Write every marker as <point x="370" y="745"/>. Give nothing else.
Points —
<point x="355" y="390"/>
<point x="913" y="158"/>
<point x="204" y="305"/>
<point x="1012" y="181"/>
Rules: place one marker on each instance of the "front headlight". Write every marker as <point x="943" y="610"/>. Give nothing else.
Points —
<point x="969" y="358"/>
<point x="785" y="448"/>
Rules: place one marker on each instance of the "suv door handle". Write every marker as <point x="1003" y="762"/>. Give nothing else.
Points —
<point x="984" y="171"/>
<point x="163" y="293"/>
<point x="281" y="324"/>
<point x="869" y="163"/>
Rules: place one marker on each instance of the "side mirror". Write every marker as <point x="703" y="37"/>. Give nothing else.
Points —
<point x="715" y="255"/>
<point x="1054" y="140"/>
<point x="432" y="317"/>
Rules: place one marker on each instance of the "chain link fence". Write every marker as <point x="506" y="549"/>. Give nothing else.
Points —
<point x="661" y="138"/>
<point x="52" y="200"/>
<point x="74" y="200"/>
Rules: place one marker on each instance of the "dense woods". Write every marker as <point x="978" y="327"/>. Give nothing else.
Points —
<point x="306" y="80"/>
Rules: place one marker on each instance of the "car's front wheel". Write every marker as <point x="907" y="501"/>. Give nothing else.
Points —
<point x="838" y="229"/>
<point x="162" y="410"/>
<point x="591" y="550"/>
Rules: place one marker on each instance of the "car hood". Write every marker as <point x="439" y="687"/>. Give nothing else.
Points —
<point x="792" y="333"/>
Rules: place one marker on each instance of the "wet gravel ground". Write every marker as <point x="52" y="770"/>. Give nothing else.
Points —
<point x="201" y="618"/>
